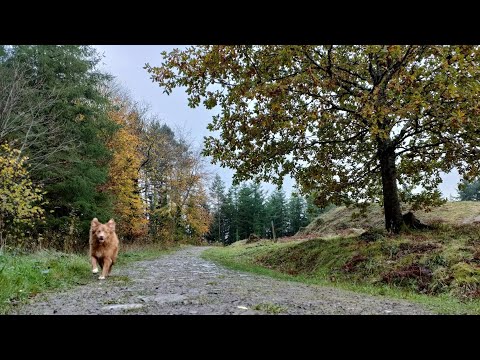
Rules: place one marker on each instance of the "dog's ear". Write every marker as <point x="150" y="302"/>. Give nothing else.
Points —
<point x="95" y="222"/>
<point x="111" y="224"/>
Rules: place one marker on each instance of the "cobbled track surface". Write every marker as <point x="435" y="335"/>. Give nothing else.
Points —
<point x="184" y="283"/>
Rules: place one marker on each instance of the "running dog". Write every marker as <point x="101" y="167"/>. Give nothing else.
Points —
<point x="103" y="246"/>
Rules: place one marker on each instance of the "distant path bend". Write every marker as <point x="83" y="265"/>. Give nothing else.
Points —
<point x="184" y="283"/>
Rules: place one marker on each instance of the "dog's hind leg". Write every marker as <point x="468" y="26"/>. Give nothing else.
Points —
<point x="110" y="268"/>
<point x="107" y="263"/>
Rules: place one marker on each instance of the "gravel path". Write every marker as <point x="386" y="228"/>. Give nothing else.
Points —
<point x="184" y="283"/>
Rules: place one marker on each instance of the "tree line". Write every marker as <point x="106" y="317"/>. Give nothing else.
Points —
<point x="247" y="209"/>
<point x="74" y="146"/>
<point x="351" y="124"/>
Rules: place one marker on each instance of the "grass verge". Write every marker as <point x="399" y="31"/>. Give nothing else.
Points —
<point x="435" y="268"/>
<point x="24" y="276"/>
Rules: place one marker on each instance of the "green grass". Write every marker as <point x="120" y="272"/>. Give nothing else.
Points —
<point x="130" y="253"/>
<point x="375" y="268"/>
<point x="24" y="276"/>
<point x="269" y="308"/>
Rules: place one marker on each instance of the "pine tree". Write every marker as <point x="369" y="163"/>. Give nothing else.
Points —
<point x="259" y="211"/>
<point x="73" y="175"/>
<point x="218" y="196"/>
<point x="231" y="216"/>
<point x="469" y="191"/>
<point x="277" y="213"/>
<point x="297" y="213"/>
<point x="244" y="211"/>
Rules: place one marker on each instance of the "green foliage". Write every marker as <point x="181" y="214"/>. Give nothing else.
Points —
<point x="246" y="209"/>
<point x="276" y="208"/>
<point x="250" y="211"/>
<point x="464" y="273"/>
<point x="313" y="211"/>
<point x="469" y="191"/>
<point x="95" y="152"/>
<point x="3" y="53"/>
<point x="217" y="231"/>
<point x="348" y="122"/>
<point x="297" y="213"/>
<point x="73" y="174"/>
<point x="258" y="210"/>
<point x="466" y="279"/>
<point x="231" y="216"/>
<point x="21" y="201"/>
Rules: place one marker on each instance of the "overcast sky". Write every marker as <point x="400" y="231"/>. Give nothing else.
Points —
<point x="126" y="63"/>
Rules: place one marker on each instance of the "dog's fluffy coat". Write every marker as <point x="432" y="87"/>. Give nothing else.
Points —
<point x="103" y="246"/>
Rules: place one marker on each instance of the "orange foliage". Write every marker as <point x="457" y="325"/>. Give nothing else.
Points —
<point x="123" y="174"/>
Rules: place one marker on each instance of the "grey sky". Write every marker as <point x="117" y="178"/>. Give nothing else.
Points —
<point x="126" y="63"/>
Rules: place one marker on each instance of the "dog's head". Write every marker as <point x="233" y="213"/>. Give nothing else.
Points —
<point x="102" y="231"/>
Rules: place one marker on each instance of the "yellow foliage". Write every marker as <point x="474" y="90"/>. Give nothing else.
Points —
<point x="123" y="174"/>
<point x="198" y="218"/>
<point x="187" y="193"/>
<point x="21" y="200"/>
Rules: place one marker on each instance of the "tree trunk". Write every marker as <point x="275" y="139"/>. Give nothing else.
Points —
<point x="391" y="202"/>
<point x="273" y="233"/>
<point x="219" y="218"/>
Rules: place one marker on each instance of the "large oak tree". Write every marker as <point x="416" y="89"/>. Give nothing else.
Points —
<point x="352" y="123"/>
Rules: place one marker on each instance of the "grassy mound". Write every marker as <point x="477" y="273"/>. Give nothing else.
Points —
<point x="444" y="260"/>
<point x="339" y="220"/>
<point x="440" y="265"/>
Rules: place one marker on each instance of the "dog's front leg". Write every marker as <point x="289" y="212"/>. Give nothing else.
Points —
<point x="107" y="262"/>
<point x="94" y="265"/>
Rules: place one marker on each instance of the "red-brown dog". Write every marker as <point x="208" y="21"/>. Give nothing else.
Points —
<point x="103" y="246"/>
